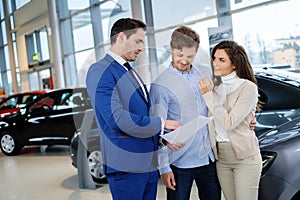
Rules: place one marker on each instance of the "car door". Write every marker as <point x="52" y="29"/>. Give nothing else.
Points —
<point x="37" y="121"/>
<point x="67" y="113"/>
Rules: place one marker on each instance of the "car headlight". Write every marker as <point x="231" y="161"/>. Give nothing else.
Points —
<point x="267" y="160"/>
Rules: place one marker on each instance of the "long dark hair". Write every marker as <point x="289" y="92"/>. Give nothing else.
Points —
<point x="239" y="59"/>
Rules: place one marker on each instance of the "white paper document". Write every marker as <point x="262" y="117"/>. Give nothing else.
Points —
<point x="183" y="133"/>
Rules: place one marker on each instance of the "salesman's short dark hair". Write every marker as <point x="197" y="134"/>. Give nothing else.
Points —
<point x="126" y="25"/>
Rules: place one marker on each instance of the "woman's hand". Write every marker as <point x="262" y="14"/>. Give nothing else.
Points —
<point x="205" y="85"/>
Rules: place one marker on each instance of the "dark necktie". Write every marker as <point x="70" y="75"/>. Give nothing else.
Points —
<point x="135" y="76"/>
<point x="128" y="66"/>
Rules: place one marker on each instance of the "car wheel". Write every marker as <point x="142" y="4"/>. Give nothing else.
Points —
<point x="96" y="167"/>
<point x="9" y="145"/>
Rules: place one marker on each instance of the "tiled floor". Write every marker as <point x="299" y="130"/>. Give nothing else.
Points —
<point x="47" y="174"/>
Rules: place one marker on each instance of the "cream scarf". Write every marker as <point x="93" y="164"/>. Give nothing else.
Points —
<point x="229" y="84"/>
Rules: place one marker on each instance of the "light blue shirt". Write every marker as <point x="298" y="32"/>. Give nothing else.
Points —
<point x="175" y="96"/>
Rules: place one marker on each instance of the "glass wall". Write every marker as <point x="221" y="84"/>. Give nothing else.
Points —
<point x="269" y="30"/>
<point x="1" y="11"/>
<point x="4" y="61"/>
<point x="85" y="27"/>
<point x="274" y="37"/>
<point x="37" y="46"/>
<point x="179" y="11"/>
<point x="270" y="35"/>
<point x="20" y="3"/>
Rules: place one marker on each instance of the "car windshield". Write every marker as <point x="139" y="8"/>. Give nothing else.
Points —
<point x="9" y="103"/>
<point x="281" y="133"/>
<point x="281" y="75"/>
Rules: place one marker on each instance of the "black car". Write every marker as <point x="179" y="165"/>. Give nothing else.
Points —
<point x="279" y="91"/>
<point x="50" y="119"/>
<point x="280" y="150"/>
<point x="15" y="102"/>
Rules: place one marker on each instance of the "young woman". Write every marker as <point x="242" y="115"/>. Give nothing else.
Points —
<point x="232" y="98"/>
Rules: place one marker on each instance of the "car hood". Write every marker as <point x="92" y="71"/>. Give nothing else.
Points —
<point x="280" y="134"/>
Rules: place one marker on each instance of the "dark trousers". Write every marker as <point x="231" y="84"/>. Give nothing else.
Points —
<point x="133" y="186"/>
<point x="206" y="180"/>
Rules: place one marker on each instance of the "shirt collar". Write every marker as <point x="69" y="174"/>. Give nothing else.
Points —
<point x="182" y="72"/>
<point x="118" y="58"/>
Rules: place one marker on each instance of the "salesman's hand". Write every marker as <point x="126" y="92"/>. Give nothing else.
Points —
<point x="171" y="124"/>
<point x="169" y="180"/>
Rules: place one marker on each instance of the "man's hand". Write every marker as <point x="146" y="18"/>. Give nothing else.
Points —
<point x="171" y="124"/>
<point x="253" y="123"/>
<point x="169" y="180"/>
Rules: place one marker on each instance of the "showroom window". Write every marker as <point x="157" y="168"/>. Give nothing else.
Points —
<point x="37" y="47"/>
<point x="4" y="61"/>
<point x="77" y="5"/>
<point x="21" y="3"/>
<point x="1" y="11"/>
<point x="88" y="22"/>
<point x="180" y="11"/>
<point x="82" y="31"/>
<point x="274" y="38"/>
<point x="3" y="33"/>
<point x="78" y="18"/>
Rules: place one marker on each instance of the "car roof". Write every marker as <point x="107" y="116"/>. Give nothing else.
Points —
<point x="29" y="92"/>
<point x="68" y="88"/>
<point x="33" y="92"/>
<point x="58" y="90"/>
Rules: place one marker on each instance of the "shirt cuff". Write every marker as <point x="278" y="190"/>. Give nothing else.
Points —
<point x="165" y="170"/>
<point x="162" y="126"/>
<point x="162" y="142"/>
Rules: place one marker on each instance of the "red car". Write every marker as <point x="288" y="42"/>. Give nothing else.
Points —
<point x="13" y="103"/>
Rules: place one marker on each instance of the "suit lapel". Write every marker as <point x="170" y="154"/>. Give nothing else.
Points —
<point x="136" y="85"/>
<point x="139" y="87"/>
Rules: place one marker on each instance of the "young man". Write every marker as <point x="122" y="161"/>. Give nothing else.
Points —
<point x="129" y="137"/>
<point x="176" y="96"/>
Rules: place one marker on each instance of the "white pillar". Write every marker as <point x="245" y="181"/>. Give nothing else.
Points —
<point x="59" y="81"/>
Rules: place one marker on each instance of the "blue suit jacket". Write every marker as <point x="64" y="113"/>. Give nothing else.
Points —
<point x="129" y="136"/>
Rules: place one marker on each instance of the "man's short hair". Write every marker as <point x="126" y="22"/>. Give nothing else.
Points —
<point x="128" y="26"/>
<point x="184" y="37"/>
